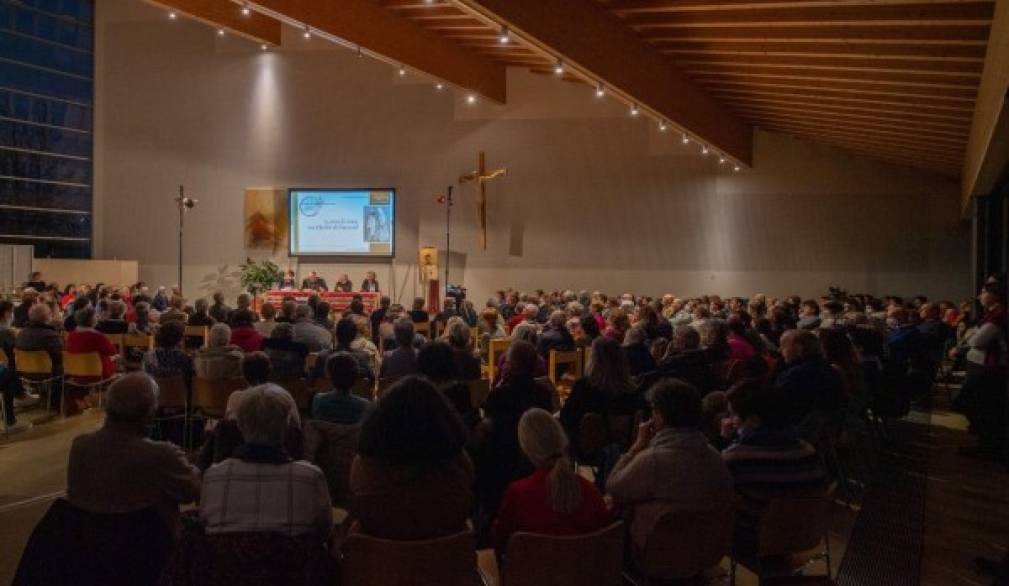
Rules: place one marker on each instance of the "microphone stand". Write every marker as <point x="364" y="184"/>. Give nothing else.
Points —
<point x="181" y="200"/>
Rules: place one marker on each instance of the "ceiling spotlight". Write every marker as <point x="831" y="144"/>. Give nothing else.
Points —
<point x="172" y="15"/>
<point x="440" y="86"/>
<point x="686" y="139"/>
<point x="559" y="68"/>
<point x="402" y="71"/>
<point x="721" y="159"/>
<point x="505" y="37"/>
<point x="428" y="1"/>
<point x="471" y="99"/>
<point x="308" y="33"/>
<point x="600" y="91"/>
<point x="264" y="47"/>
<point x="220" y="32"/>
<point x="246" y="11"/>
<point x="704" y="150"/>
<point x="634" y="110"/>
<point x="662" y="126"/>
<point x="735" y="168"/>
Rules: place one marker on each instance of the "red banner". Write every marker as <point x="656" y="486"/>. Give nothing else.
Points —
<point x="338" y="300"/>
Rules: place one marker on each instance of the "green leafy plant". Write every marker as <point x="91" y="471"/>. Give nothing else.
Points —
<point x="258" y="277"/>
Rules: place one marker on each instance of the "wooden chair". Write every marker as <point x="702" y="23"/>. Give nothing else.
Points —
<point x="790" y="526"/>
<point x="474" y="337"/>
<point x="84" y="370"/>
<point x="198" y="332"/>
<point x="116" y="340"/>
<point x="446" y="561"/>
<point x="141" y="343"/>
<point x="35" y="368"/>
<point x="478" y="391"/>
<point x="301" y="391"/>
<point x="594" y="559"/>
<point x="683" y="544"/>
<point x="569" y="358"/>
<point x="494" y="350"/>
<point x="423" y="328"/>
<point x="173" y="398"/>
<point x="211" y="396"/>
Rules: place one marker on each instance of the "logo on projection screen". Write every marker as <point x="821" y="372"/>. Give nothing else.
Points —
<point x="310" y="205"/>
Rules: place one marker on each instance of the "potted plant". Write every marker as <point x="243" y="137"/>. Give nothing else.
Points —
<point x="258" y="277"/>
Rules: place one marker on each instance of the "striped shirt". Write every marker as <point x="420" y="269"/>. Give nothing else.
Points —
<point x="242" y="496"/>
<point x="767" y="463"/>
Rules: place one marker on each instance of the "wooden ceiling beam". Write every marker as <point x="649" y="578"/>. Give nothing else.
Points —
<point x="880" y="138"/>
<point x="987" y="157"/>
<point x="945" y="166"/>
<point x="961" y="95"/>
<point x="913" y="127"/>
<point x="920" y="104"/>
<point x="869" y="128"/>
<point x="256" y="27"/>
<point x="599" y="45"/>
<point x="978" y="13"/>
<point x="896" y="110"/>
<point x="917" y="79"/>
<point x="369" y="25"/>
<point x="884" y="66"/>
<point x="677" y="6"/>
<point x="935" y="35"/>
<point x="948" y="160"/>
<point x="905" y="51"/>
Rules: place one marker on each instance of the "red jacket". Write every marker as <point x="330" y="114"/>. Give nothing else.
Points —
<point x="82" y="341"/>
<point x="247" y="338"/>
<point x="527" y="506"/>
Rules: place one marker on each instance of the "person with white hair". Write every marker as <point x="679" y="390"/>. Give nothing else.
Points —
<point x="556" y="335"/>
<point x="527" y="316"/>
<point x="467" y="362"/>
<point x="40" y="334"/>
<point x="554" y="499"/>
<point x="220" y="359"/>
<point x="119" y="469"/>
<point x="260" y="488"/>
<point x="524" y="332"/>
<point x="309" y="333"/>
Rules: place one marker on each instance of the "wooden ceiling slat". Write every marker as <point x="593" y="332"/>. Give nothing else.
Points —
<point x="889" y="15"/>
<point x="834" y="63"/>
<point x="918" y="79"/>
<point x="949" y="164"/>
<point x="939" y="127"/>
<point x="897" y="110"/>
<point x="675" y="6"/>
<point x="939" y="35"/>
<point x="847" y="87"/>
<point x="920" y="104"/>
<point x="871" y="135"/>
<point x="866" y="113"/>
<point x="906" y="51"/>
<point x="869" y="128"/>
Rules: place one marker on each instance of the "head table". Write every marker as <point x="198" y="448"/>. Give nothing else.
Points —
<point x="338" y="300"/>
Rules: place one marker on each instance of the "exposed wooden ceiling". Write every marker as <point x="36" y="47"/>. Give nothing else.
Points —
<point x="895" y="79"/>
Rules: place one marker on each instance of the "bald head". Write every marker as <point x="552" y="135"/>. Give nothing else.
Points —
<point x="799" y="344"/>
<point x="132" y="399"/>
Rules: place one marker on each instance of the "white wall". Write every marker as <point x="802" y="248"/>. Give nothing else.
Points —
<point x="592" y="199"/>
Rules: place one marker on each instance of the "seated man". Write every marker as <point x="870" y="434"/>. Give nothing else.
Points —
<point x="556" y="335"/>
<point x="117" y="469"/>
<point x="220" y="359"/>
<point x="260" y="488"/>
<point x="309" y="333"/>
<point x="256" y="370"/>
<point x="346" y="332"/>
<point x="40" y="334"/>
<point x="687" y="361"/>
<point x="403" y="360"/>
<point x="339" y="405"/>
<point x="808" y="383"/>
<point x="114" y="323"/>
<point x="314" y="282"/>
<point x="287" y="357"/>
<point x="671" y="466"/>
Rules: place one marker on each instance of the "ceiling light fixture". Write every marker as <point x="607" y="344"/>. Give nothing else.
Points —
<point x="686" y="139"/>
<point x="559" y="68"/>
<point x="439" y="86"/>
<point x="246" y="11"/>
<point x="721" y="159"/>
<point x="471" y="99"/>
<point x="402" y="70"/>
<point x="634" y="110"/>
<point x="264" y="47"/>
<point x="662" y="126"/>
<point x="308" y="32"/>
<point x="172" y="15"/>
<point x="735" y="168"/>
<point x="704" y="150"/>
<point x="220" y="32"/>
<point x="505" y="37"/>
<point x="600" y="91"/>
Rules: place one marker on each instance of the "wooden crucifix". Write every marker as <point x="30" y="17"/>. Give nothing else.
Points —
<point x="482" y="176"/>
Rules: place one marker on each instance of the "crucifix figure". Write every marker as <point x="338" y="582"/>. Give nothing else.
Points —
<point x="481" y="176"/>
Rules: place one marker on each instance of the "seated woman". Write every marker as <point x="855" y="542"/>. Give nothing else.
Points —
<point x="436" y="361"/>
<point x="524" y="332"/>
<point x="260" y="488"/>
<point x="243" y="331"/>
<point x="412" y="479"/>
<point x="554" y="499"/>
<point x="499" y="459"/>
<point x="114" y="323"/>
<point x="457" y="335"/>
<point x="491" y="328"/>
<point x="605" y="389"/>
<point x="85" y="338"/>
<point x="220" y="359"/>
<point x="639" y="357"/>
<point x="339" y="405"/>
<point x="362" y="342"/>
<point x="141" y="325"/>
<point x="287" y="357"/>
<point x="167" y="359"/>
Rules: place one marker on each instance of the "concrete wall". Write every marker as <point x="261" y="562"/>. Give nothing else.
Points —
<point x="593" y="199"/>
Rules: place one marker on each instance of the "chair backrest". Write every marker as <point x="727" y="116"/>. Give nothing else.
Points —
<point x="131" y="341"/>
<point x="172" y="391"/>
<point x="682" y="544"/>
<point x="116" y="340"/>
<point x="198" y="332"/>
<point x="474" y="337"/>
<point x="364" y="388"/>
<point x="495" y="348"/>
<point x="211" y="396"/>
<point x="594" y="559"/>
<point x="478" y="391"/>
<point x="300" y="390"/>
<point x="423" y="328"/>
<point x="572" y="358"/>
<point x="794" y="524"/>
<point x="332" y="448"/>
<point x="82" y="364"/>
<point x="446" y="561"/>
<point x="33" y="362"/>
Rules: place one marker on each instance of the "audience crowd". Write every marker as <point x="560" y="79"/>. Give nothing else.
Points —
<point x="684" y="404"/>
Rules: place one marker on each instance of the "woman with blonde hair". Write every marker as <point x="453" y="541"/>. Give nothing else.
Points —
<point x="554" y="499"/>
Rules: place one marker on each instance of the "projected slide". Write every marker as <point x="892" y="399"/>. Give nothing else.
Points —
<point x="343" y="222"/>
